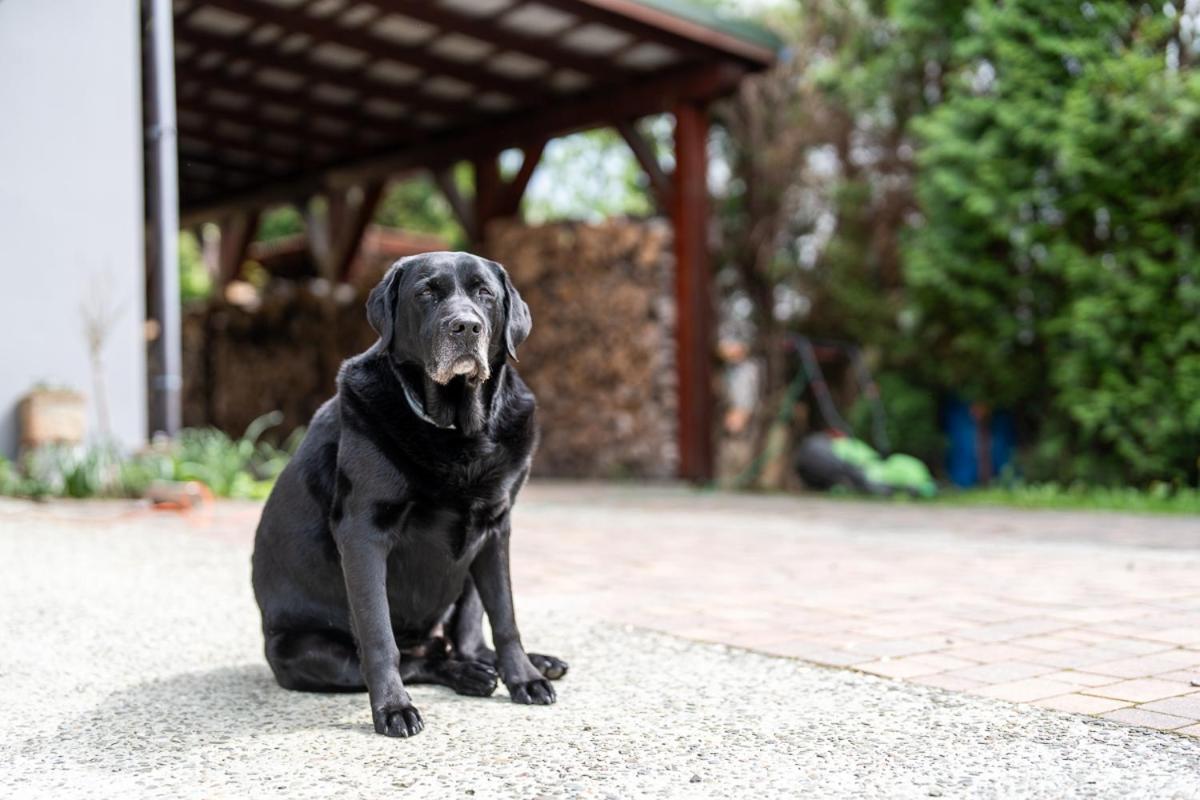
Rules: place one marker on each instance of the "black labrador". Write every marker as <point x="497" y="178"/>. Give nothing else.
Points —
<point x="386" y="537"/>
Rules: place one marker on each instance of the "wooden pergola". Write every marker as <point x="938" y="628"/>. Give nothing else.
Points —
<point x="283" y="101"/>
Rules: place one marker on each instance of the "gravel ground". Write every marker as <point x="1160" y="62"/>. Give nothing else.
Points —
<point x="131" y="667"/>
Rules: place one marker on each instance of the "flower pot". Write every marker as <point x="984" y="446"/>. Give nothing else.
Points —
<point x="52" y="416"/>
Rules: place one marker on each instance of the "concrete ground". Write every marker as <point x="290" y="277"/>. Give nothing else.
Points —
<point x="131" y="664"/>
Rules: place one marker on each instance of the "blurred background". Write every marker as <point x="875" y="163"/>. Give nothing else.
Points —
<point x="910" y="249"/>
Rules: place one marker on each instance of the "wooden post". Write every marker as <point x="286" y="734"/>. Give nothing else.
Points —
<point x="693" y="294"/>
<point x="335" y="236"/>
<point x="489" y="187"/>
<point x="237" y="232"/>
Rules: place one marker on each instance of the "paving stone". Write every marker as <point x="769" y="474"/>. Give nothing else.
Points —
<point x="1024" y="691"/>
<point x="1078" y="678"/>
<point x="1001" y="671"/>
<point x="1143" y="666"/>
<point x="1147" y="719"/>
<point x="1139" y="690"/>
<point x="1187" y="705"/>
<point x="1081" y="703"/>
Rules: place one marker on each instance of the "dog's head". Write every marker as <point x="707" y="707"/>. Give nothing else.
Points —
<point x="453" y="314"/>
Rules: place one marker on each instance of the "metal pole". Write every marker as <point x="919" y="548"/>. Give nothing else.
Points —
<point x="162" y="207"/>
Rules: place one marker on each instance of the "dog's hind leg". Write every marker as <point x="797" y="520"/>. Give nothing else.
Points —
<point x="465" y="629"/>
<point x="474" y="678"/>
<point x="314" y="661"/>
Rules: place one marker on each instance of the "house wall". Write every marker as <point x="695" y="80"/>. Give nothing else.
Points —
<point x="71" y="205"/>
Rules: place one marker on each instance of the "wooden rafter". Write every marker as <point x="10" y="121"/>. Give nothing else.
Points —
<point x="355" y="79"/>
<point x="335" y="237"/>
<point x="638" y="98"/>
<point x="661" y="187"/>
<point x="640" y="31"/>
<point x="237" y="231"/>
<point x="264" y="95"/>
<point x="416" y="56"/>
<point x="492" y="30"/>
<point x="510" y="198"/>
<point x="461" y="206"/>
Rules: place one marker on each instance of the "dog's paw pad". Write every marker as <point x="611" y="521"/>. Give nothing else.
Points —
<point x="550" y="667"/>
<point x="402" y="721"/>
<point x="533" y="693"/>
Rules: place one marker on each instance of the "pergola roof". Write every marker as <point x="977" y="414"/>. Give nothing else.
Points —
<point x="278" y="99"/>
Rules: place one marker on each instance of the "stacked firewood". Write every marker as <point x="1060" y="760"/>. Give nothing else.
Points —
<point x="249" y="353"/>
<point x="601" y="356"/>
<point x="600" y="359"/>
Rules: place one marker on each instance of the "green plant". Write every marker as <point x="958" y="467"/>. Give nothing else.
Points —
<point x="245" y="467"/>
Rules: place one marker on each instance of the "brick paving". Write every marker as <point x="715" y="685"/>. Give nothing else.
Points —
<point x="1087" y="613"/>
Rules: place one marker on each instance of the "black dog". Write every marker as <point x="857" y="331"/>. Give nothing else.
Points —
<point x="389" y="529"/>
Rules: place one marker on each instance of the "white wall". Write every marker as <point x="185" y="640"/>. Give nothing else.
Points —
<point x="71" y="203"/>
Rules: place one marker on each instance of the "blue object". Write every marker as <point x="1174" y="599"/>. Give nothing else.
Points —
<point x="963" y="432"/>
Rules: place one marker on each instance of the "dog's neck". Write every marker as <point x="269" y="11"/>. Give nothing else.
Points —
<point x="458" y="405"/>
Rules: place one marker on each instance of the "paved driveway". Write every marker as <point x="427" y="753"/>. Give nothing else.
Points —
<point x="131" y="665"/>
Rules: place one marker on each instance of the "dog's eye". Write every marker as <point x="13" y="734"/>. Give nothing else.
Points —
<point x="425" y="292"/>
<point x="483" y="290"/>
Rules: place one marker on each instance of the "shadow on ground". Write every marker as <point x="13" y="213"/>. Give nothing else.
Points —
<point x="167" y="717"/>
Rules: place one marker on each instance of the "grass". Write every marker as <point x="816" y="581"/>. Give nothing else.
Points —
<point x="1160" y="498"/>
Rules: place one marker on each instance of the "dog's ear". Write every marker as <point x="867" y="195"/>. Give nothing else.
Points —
<point x="517" y="320"/>
<point x="381" y="303"/>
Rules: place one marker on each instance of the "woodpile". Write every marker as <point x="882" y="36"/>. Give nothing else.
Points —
<point x="601" y="355"/>
<point x="278" y="350"/>
<point x="600" y="358"/>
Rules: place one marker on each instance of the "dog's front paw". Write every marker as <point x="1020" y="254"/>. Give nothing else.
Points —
<point x="401" y="720"/>
<point x="474" y="678"/>
<point x="537" y="692"/>
<point x="550" y="667"/>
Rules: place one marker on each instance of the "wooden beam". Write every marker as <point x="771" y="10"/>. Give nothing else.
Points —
<point x="666" y="27"/>
<point x="335" y="236"/>
<point x="354" y="79"/>
<point x="694" y="315"/>
<point x="237" y="231"/>
<point x="510" y="198"/>
<point x="415" y="55"/>
<point x="489" y="187"/>
<point x="192" y="82"/>
<point x="640" y="30"/>
<point x="464" y="210"/>
<point x="636" y="99"/>
<point x="253" y="117"/>
<point x="353" y="225"/>
<point x="660" y="182"/>
<point x="207" y="133"/>
<point x="489" y="29"/>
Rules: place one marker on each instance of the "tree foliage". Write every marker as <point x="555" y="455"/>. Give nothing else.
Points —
<point x="997" y="200"/>
<point x="1055" y="265"/>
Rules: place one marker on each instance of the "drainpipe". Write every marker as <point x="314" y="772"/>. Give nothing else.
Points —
<point x="162" y="223"/>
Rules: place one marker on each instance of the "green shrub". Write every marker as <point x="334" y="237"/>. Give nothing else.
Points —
<point x="244" y="467"/>
<point x="1057" y="268"/>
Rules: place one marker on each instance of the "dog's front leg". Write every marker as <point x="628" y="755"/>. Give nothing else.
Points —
<point x="364" y="563"/>
<point x="490" y="573"/>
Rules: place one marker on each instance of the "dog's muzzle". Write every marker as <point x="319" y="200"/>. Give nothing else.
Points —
<point x="461" y="350"/>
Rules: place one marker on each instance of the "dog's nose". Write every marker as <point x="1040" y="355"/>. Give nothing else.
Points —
<point x="465" y="326"/>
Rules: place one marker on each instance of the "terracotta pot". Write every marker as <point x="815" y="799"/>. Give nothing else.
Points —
<point x="52" y="416"/>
